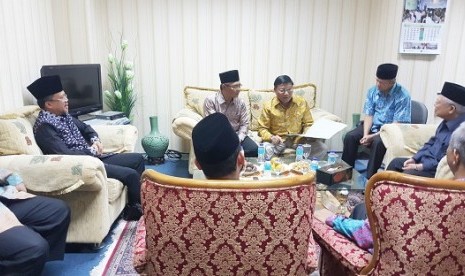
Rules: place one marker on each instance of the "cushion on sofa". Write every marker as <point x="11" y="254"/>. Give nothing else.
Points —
<point x="117" y="138"/>
<point x="195" y="97"/>
<point x="411" y="136"/>
<point x="258" y="97"/>
<point x="17" y="136"/>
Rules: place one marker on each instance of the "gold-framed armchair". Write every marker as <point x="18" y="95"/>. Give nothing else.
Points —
<point x="226" y="227"/>
<point x="417" y="226"/>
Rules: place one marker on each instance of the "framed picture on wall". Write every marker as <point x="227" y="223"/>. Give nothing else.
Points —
<point x="422" y="25"/>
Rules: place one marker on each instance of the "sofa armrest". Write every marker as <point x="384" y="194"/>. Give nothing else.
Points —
<point x="117" y="138"/>
<point x="184" y="121"/>
<point x="404" y="140"/>
<point x="318" y="113"/>
<point x="57" y="174"/>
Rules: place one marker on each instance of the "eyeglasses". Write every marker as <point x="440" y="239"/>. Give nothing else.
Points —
<point x="62" y="99"/>
<point x="282" y="91"/>
<point x="235" y="86"/>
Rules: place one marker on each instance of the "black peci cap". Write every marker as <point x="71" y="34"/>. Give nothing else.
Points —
<point x="387" y="71"/>
<point x="229" y="76"/>
<point x="454" y="92"/>
<point x="45" y="86"/>
<point x="214" y="139"/>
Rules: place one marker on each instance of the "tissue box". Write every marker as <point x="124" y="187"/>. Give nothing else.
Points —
<point x="335" y="173"/>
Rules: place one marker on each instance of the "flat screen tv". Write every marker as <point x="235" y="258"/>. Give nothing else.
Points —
<point x="82" y="83"/>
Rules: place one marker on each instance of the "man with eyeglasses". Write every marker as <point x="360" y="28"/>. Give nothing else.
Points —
<point x="226" y="101"/>
<point x="386" y="102"/>
<point x="450" y="106"/>
<point x="57" y="132"/>
<point x="284" y="118"/>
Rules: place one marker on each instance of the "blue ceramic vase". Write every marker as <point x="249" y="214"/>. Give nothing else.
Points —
<point x="155" y="144"/>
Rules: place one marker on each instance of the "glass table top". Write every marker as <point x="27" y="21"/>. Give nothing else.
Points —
<point x="356" y="184"/>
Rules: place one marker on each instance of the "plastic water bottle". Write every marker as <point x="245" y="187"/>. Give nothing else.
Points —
<point x="299" y="153"/>
<point x="332" y="157"/>
<point x="314" y="164"/>
<point x="267" y="169"/>
<point x="261" y="153"/>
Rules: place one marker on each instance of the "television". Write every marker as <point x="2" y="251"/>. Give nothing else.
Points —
<point x="82" y="84"/>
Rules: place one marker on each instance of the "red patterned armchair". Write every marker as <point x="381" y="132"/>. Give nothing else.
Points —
<point x="226" y="227"/>
<point x="418" y="227"/>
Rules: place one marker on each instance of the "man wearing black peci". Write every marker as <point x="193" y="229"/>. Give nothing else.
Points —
<point x="57" y="132"/>
<point x="227" y="102"/>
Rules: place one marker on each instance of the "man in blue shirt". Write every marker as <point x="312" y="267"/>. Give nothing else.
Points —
<point x="386" y="102"/>
<point x="450" y="106"/>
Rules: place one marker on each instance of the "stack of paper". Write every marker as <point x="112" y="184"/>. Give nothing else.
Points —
<point x="323" y="129"/>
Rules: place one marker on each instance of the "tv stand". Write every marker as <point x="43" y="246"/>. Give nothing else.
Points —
<point x="86" y="117"/>
<point x="97" y="122"/>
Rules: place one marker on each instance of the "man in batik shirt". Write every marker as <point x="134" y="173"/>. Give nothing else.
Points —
<point x="226" y="101"/>
<point x="285" y="117"/>
<point x="386" y="102"/>
<point x="57" y="132"/>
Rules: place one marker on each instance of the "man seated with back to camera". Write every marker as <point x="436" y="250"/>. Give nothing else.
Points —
<point x="226" y="101"/>
<point x="284" y="118"/>
<point x="218" y="153"/>
<point x="57" y="132"/>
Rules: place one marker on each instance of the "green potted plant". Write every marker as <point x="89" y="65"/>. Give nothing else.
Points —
<point x="121" y="96"/>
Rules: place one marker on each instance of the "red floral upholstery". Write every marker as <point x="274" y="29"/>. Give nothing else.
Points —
<point x="418" y="228"/>
<point x="339" y="256"/>
<point x="207" y="227"/>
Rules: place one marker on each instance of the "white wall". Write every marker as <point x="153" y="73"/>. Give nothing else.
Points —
<point x="335" y="44"/>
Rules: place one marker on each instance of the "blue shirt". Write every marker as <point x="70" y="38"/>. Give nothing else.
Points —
<point x="433" y="150"/>
<point x="394" y="106"/>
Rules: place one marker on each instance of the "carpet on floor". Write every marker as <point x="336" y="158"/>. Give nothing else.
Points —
<point x="118" y="258"/>
<point x="80" y="259"/>
<point x="173" y="167"/>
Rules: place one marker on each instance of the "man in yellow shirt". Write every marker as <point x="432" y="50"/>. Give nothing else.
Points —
<point x="285" y="117"/>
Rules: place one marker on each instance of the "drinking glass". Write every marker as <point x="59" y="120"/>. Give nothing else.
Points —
<point x="307" y="151"/>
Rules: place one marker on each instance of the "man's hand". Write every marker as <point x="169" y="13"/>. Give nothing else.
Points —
<point x="367" y="139"/>
<point x="275" y="140"/>
<point x="98" y="146"/>
<point x="21" y="187"/>
<point x="410" y="164"/>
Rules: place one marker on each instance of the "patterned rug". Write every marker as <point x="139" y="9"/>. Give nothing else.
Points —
<point x="118" y="259"/>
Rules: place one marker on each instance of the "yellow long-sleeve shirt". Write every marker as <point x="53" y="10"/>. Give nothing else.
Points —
<point x="276" y="120"/>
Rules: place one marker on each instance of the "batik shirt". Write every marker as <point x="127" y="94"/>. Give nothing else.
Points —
<point x="64" y="135"/>
<point x="395" y="106"/>
<point x="277" y="120"/>
<point x="235" y="111"/>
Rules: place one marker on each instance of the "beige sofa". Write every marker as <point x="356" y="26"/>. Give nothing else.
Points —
<point x="192" y="113"/>
<point x="404" y="140"/>
<point x="81" y="181"/>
